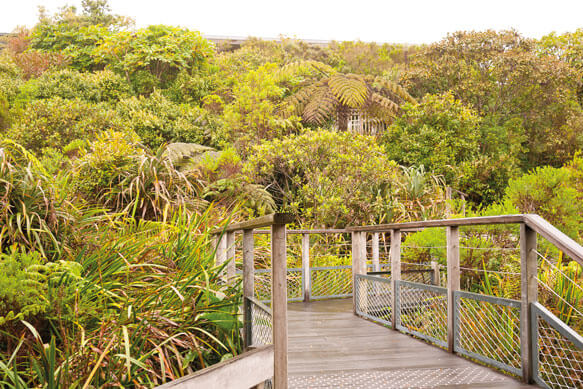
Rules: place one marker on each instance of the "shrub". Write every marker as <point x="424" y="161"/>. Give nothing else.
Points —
<point x="56" y="122"/>
<point x="158" y="120"/>
<point x="160" y="50"/>
<point x="440" y="133"/>
<point x="118" y="174"/>
<point x="257" y="111"/>
<point x="29" y="211"/>
<point x="34" y="63"/>
<point x="145" y="296"/>
<point x="551" y="193"/>
<point x="337" y="179"/>
<point x="69" y="84"/>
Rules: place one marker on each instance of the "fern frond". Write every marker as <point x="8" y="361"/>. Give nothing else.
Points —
<point x="381" y="107"/>
<point x="305" y="67"/>
<point x="322" y="105"/>
<point x="394" y="88"/>
<point x="349" y="89"/>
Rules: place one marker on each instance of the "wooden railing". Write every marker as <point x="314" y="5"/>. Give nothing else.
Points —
<point x="530" y="226"/>
<point x="244" y="371"/>
<point x="451" y="297"/>
<point x="225" y="243"/>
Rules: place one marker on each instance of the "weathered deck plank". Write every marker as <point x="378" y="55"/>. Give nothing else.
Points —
<point x="329" y="347"/>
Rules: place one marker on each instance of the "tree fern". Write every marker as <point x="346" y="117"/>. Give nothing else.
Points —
<point x="326" y="94"/>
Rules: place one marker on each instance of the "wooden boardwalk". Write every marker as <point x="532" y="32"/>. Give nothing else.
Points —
<point x="329" y="347"/>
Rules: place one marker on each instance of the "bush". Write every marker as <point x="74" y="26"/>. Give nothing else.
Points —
<point x="158" y="120"/>
<point x="551" y="193"/>
<point x="450" y="139"/>
<point x="33" y="289"/>
<point x="69" y="84"/>
<point x="31" y="213"/>
<point x="139" y="294"/>
<point x="56" y="122"/>
<point x="337" y="179"/>
<point x="440" y="133"/>
<point x="118" y="174"/>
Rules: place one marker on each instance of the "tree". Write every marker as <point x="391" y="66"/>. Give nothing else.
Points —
<point x="256" y="111"/>
<point x="450" y="139"/>
<point x="161" y="51"/>
<point x="327" y="95"/>
<point x="336" y="179"/>
<point x="504" y="77"/>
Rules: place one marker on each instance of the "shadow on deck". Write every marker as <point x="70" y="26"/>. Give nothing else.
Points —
<point x="329" y="347"/>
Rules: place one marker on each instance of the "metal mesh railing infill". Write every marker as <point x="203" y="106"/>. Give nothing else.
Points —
<point x="261" y="323"/>
<point x="331" y="282"/>
<point x="374" y="298"/>
<point x="558" y="351"/>
<point x="487" y="329"/>
<point x="422" y="311"/>
<point x="295" y="290"/>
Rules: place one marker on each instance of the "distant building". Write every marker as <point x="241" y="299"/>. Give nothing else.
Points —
<point x="234" y="42"/>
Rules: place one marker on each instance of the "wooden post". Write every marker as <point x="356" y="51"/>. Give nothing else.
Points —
<point x="279" y="304"/>
<point x="436" y="273"/>
<point x="453" y="280"/>
<point x="375" y="252"/>
<point x="395" y="255"/>
<point x="358" y="258"/>
<point x="528" y="281"/>
<point x="306" y="274"/>
<point x="248" y="283"/>
<point x="230" y="255"/>
<point x="221" y="254"/>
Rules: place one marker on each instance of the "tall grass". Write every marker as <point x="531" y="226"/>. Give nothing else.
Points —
<point x="148" y="306"/>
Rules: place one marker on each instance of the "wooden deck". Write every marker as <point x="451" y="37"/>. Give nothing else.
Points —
<point x="329" y="347"/>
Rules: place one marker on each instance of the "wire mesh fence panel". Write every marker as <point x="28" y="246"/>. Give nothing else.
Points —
<point x="331" y="281"/>
<point x="261" y="324"/>
<point x="263" y="284"/>
<point x="559" y="351"/>
<point x="295" y="290"/>
<point x="422" y="276"/>
<point x="488" y="329"/>
<point x="374" y="298"/>
<point x="422" y="311"/>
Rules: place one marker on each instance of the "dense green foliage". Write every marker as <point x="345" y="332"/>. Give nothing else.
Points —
<point x="121" y="147"/>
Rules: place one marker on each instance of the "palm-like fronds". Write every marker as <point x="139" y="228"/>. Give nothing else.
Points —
<point x="327" y="94"/>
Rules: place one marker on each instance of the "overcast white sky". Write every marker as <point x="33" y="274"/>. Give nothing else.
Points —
<point x="404" y="21"/>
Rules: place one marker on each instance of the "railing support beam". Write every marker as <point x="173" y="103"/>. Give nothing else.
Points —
<point x="436" y="273"/>
<point x="358" y="261"/>
<point x="453" y="281"/>
<point x="375" y="252"/>
<point x="221" y="251"/>
<point x="248" y="283"/>
<point x="528" y="281"/>
<point x="279" y="303"/>
<point x="306" y="276"/>
<point x="230" y="255"/>
<point x="395" y="255"/>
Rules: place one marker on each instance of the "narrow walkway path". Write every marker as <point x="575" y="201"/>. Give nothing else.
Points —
<point x="329" y="347"/>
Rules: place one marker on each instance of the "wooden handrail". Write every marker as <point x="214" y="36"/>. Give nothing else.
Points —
<point x="545" y="229"/>
<point x="263" y="221"/>
<point x="302" y="232"/>
<point x="468" y="221"/>
<point x="241" y="372"/>
<point x="556" y="237"/>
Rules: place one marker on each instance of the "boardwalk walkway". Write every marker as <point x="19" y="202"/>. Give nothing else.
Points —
<point x="329" y="347"/>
